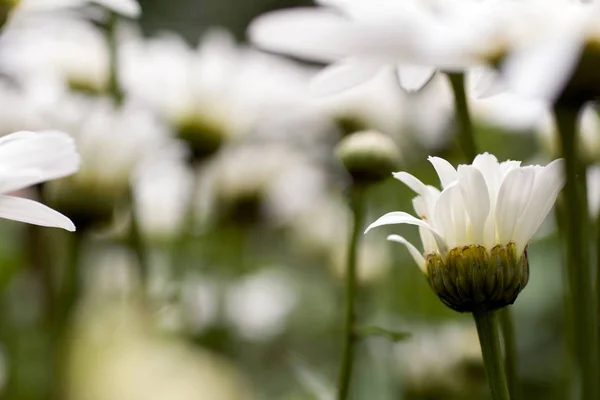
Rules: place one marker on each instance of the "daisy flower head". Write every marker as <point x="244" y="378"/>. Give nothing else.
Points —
<point x="475" y="231"/>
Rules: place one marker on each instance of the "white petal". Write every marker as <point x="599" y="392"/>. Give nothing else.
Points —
<point x="32" y="212"/>
<point x="444" y="221"/>
<point x="416" y="254"/>
<point x="476" y="199"/>
<point x="316" y="34"/>
<point x="541" y="71"/>
<point x="459" y="216"/>
<point x="343" y="75"/>
<point x="488" y="83"/>
<point x="489" y="167"/>
<point x="513" y="198"/>
<point x="445" y="170"/>
<point x="28" y="158"/>
<point x="399" y="217"/>
<point x="412" y="182"/>
<point x="413" y="78"/>
<point x="127" y="8"/>
<point x="548" y="183"/>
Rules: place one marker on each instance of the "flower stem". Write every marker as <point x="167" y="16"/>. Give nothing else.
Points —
<point x="465" y="126"/>
<point x="487" y="330"/>
<point x="357" y="202"/>
<point x="114" y="84"/>
<point x="511" y="365"/>
<point x="469" y="148"/>
<point x="136" y="242"/>
<point x="578" y="253"/>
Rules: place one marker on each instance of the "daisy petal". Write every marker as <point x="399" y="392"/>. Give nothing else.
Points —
<point x="399" y="217"/>
<point x="32" y="212"/>
<point x="445" y="170"/>
<point x="416" y="254"/>
<point x="413" y="78"/>
<point x="513" y="197"/>
<point x="412" y="182"/>
<point x="343" y="75"/>
<point x="315" y="34"/>
<point x="548" y="183"/>
<point x="28" y="158"/>
<point x="476" y="199"/>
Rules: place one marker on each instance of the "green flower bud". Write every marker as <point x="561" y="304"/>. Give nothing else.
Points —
<point x="471" y="278"/>
<point x="368" y="156"/>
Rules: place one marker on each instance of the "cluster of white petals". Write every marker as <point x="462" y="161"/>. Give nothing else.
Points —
<point x="486" y="203"/>
<point x="26" y="159"/>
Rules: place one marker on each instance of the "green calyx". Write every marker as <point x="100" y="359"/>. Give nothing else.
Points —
<point x="471" y="278"/>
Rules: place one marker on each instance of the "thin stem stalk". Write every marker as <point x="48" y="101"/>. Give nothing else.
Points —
<point x="487" y="329"/>
<point x="511" y="366"/>
<point x="576" y="225"/>
<point x="347" y="362"/>
<point x="463" y="116"/>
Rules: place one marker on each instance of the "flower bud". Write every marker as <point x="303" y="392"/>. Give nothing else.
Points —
<point x="369" y="156"/>
<point x="471" y="278"/>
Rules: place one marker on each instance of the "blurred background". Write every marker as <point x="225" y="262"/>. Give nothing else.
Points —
<point x="213" y="220"/>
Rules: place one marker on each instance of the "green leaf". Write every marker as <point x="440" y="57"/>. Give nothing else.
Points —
<point x="371" y="330"/>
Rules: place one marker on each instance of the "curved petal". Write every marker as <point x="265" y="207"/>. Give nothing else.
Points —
<point x="32" y="212"/>
<point x="513" y="197"/>
<point x="416" y="254"/>
<point x="399" y="217"/>
<point x="548" y="183"/>
<point x="413" y="78"/>
<point x="488" y="83"/>
<point x="127" y="8"/>
<point x="445" y="170"/>
<point x="444" y="220"/>
<point x="412" y="182"/>
<point x="343" y="75"/>
<point x="27" y="158"/>
<point x="316" y="34"/>
<point x="476" y="199"/>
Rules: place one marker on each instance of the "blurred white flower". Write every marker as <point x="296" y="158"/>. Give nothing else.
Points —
<point x="440" y="359"/>
<point x="126" y="8"/>
<point x="61" y="50"/>
<point x="588" y="140"/>
<point x="357" y="37"/>
<point x="272" y="181"/>
<point x="258" y="305"/>
<point x="117" y="354"/>
<point x="220" y="86"/>
<point x="487" y="203"/>
<point x="114" y="142"/>
<point x="26" y="159"/>
<point x="593" y="183"/>
<point x="163" y="188"/>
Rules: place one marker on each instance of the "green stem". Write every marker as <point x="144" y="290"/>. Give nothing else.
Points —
<point x="511" y="365"/>
<point x="463" y="116"/>
<point x="114" y="85"/>
<point x="136" y="241"/>
<point x="578" y="253"/>
<point x="66" y="298"/>
<point x="345" y="374"/>
<point x="487" y="330"/>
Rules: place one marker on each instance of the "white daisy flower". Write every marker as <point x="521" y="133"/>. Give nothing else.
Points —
<point x="478" y="226"/>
